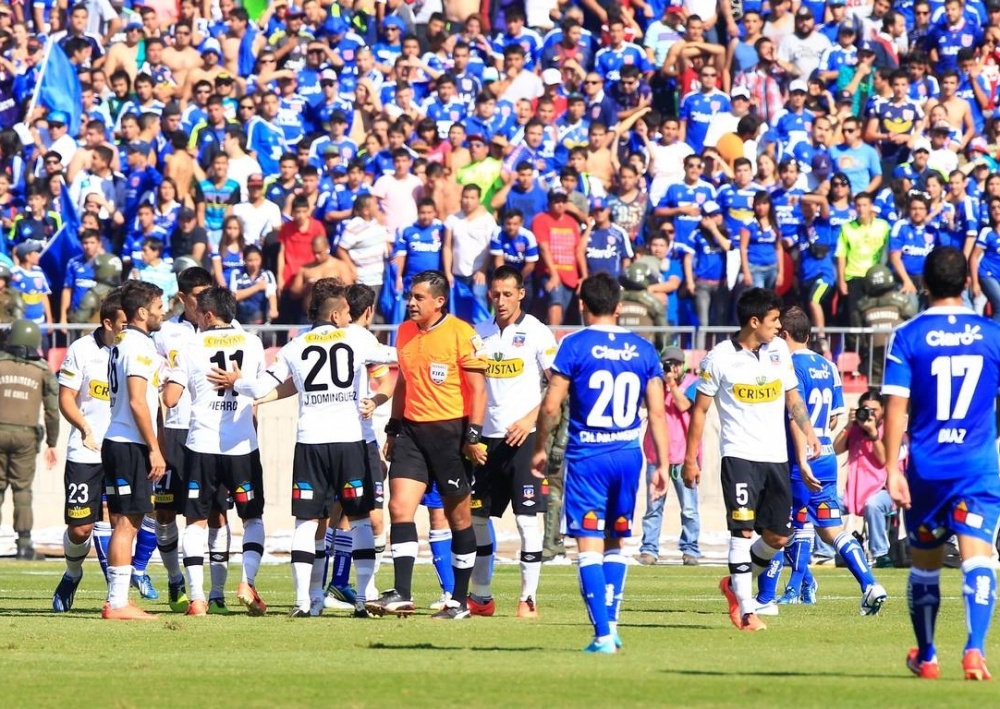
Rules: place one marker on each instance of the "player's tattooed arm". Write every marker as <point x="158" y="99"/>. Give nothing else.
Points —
<point x="799" y="414"/>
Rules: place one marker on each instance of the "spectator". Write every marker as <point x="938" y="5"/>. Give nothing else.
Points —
<point x="465" y="258"/>
<point x="255" y="290"/>
<point x="397" y="193"/>
<point x="295" y="250"/>
<point x="188" y="239"/>
<point x="152" y="268"/>
<point x="227" y="258"/>
<point x="861" y="245"/>
<point x="260" y="217"/>
<point x="865" y="494"/>
<point x="562" y="256"/>
<point x="365" y="244"/>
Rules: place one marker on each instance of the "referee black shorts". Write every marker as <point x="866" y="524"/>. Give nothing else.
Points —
<point x="431" y="451"/>
<point x="758" y="496"/>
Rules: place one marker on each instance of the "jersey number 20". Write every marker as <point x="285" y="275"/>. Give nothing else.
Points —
<point x="619" y="394"/>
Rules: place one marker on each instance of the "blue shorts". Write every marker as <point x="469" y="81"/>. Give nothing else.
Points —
<point x="599" y="498"/>
<point x="967" y="507"/>
<point x="432" y="498"/>
<point x="821" y="508"/>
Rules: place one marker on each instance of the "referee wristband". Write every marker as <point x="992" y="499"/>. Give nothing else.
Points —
<point x="473" y="435"/>
<point x="394" y="427"/>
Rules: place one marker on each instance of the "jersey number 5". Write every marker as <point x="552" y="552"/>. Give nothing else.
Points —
<point x="621" y="393"/>
<point x="944" y="368"/>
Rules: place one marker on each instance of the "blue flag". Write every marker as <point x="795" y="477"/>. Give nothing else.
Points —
<point x="65" y="245"/>
<point x="59" y="89"/>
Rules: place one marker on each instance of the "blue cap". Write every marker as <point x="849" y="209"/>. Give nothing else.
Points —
<point x="335" y="25"/>
<point x="134" y="24"/>
<point x="598" y="203"/>
<point x="28" y="247"/>
<point x="58" y="117"/>
<point x="339" y="170"/>
<point x="138" y="146"/>
<point x="866" y="46"/>
<point x="394" y="21"/>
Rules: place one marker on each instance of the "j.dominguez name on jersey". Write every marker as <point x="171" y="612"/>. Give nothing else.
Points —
<point x="334" y="397"/>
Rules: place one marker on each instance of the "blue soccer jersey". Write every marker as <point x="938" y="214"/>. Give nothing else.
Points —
<point x="823" y="394"/>
<point x="946" y="361"/>
<point x="608" y="368"/>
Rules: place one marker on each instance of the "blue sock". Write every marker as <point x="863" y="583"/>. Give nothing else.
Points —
<point x="615" y="568"/>
<point x="923" y="595"/>
<point x="102" y="537"/>
<point x="979" y="588"/>
<point x="328" y="549"/>
<point x="593" y="587"/>
<point x="145" y="545"/>
<point x="343" y="547"/>
<point x="767" y="582"/>
<point x="440" y="540"/>
<point x="493" y="541"/>
<point x="854" y="556"/>
<point x="801" y="549"/>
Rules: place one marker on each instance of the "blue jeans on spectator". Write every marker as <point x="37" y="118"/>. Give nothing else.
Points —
<point x="877" y="511"/>
<point x="991" y="289"/>
<point x="652" y="521"/>
<point x="764" y="276"/>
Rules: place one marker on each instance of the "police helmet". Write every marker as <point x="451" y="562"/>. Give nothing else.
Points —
<point x="24" y="334"/>
<point x="878" y="280"/>
<point x="108" y="270"/>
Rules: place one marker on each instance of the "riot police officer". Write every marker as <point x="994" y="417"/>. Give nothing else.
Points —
<point x="639" y="307"/>
<point x="11" y="305"/>
<point x="26" y="385"/>
<point x="882" y="309"/>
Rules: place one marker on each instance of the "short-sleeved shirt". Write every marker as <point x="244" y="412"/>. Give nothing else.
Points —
<point x="431" y="363"/>
<point x="85" y="371"/>
<point x="133" y="355"/>
<point x="749" y="389"/>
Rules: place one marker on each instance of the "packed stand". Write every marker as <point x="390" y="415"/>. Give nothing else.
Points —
<point x="693" y="149"/>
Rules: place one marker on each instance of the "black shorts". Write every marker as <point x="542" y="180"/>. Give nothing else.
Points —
<point x="375" y="467"/>
<point x="328" y="471"/>
<point x="507" y="479"/>
<point x="816" y="291"/>
<point x="83" y="493"/>
<point x="126" y="478"/>
<point x="214" y="478"/>
<point x="170" y="493"/>
<point x="758" y="496"/>
<point x="432" y="452"/>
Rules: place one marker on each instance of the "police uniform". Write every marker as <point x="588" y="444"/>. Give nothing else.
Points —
<point x="26" y="385"/>
<point x="11" y="306"/>
<point x="89" y="310"/>
<point x="639" y="308"/>
<point x="552" y="486"/>
<point x="517" y="358"/>
<point x="882" y="310"/>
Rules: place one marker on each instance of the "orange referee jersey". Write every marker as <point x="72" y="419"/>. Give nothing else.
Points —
<point x="431" y="362"/>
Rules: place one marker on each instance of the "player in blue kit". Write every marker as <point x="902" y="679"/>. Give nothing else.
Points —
<point x="605" y="370"/>
<point x="943" y="370"/>
<point x="821" y="390"/>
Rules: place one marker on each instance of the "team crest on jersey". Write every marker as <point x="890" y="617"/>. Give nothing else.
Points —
<point x="962" y="515"/>
<point x="826" y="511"/>
<point x="802" y="515"/>
<point x="353" y="490"/>
<point x="518" y="340"/>
<point x="528" y="492"/>
<point x="244" y="493"/>
<point x="775" y="358"/>
<point x="438" y="372"/>
<point x="592" y="522"/>
<point x="302" y="491"/>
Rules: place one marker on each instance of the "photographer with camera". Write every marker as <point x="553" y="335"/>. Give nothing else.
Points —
<point x="865" y="494"/>
<point x="680" y="388"/>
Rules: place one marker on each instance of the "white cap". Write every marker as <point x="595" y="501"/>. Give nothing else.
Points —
<point x="798" y="85"/>
<point x="328" y="75"/>
<point x="921" y="144"/>
<point x="211" y="45"/>
<point x="552" y="77"/>
<point x="490" y="73"/>
<point x="740" y="92"/>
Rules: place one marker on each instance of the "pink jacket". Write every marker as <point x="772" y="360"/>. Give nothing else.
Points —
<point x="677" y="427"/>
<point x="865" y="477"/>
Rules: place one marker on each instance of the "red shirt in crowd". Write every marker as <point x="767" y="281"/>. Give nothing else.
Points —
<point x="562" y="236"/>
<point x="298" y="246"/>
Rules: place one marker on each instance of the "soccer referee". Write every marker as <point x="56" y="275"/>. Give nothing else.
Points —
<point x="437" y="417"/>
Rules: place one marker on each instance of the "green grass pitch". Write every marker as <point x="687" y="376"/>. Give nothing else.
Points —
<point x="680" y="650"/>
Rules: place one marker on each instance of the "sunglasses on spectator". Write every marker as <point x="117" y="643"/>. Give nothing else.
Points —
<point x="839" y="183"/>
<point x="592" y="81"/>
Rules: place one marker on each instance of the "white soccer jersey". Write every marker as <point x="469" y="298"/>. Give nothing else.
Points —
<point x="378" y="370"/>
<point x="749" y="390"/>
<point x="517" y="358"/>
<point x="85" y="371"/>
<point x="329" y="367"/>
<point x="221" y="420"/>
<point x="169" y="341"/>
<point x="133" y="355"/>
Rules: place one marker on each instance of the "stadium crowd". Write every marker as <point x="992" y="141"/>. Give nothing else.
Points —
<point x="770" y="144"/>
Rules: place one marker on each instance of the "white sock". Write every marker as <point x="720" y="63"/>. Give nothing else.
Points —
<point x="166" y="543"/>
<point x="740" y="572"/>
<point x="195" y="541"/>
<point x="318" y="567"/>
<point x="482" y="580"/>
<point x="363" y="556"/>
<point x="219" y="541"/>
<point x="75" y="554"/>
<point x="119" y="578"/>
<point x="531" y="554"/>
<point x="303" y="555"/>
<point x="372" y="591"/>
<point x="253" y="548"/>
<point x="761" y="554"/>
